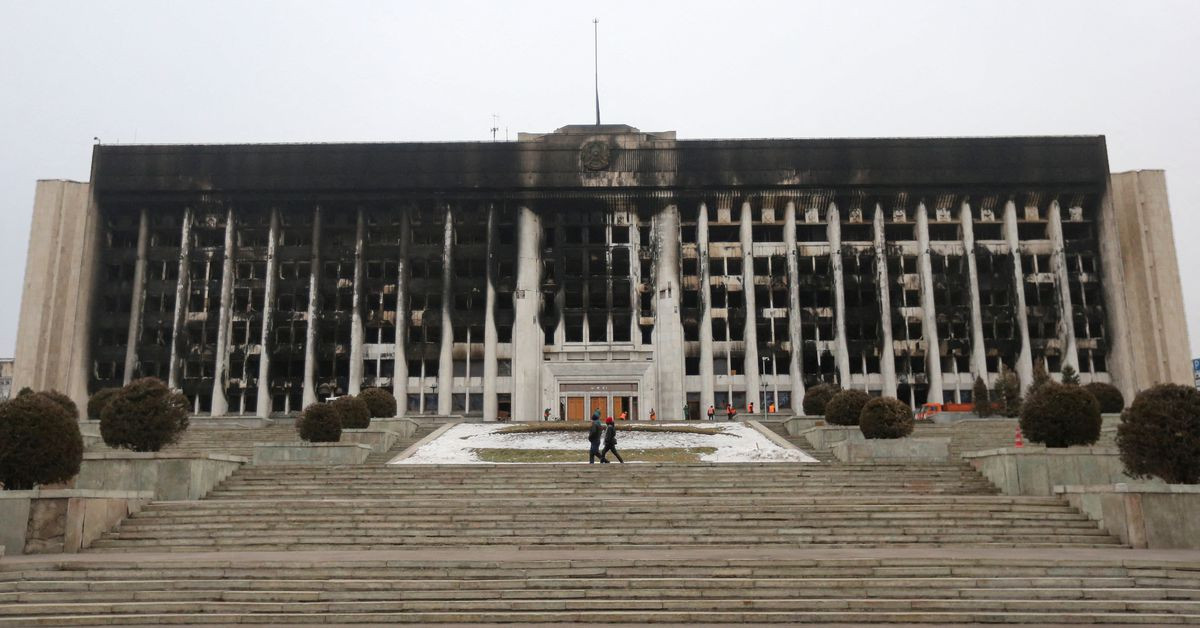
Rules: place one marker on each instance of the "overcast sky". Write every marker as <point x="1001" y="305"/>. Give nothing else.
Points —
<point x="176" y="72"/>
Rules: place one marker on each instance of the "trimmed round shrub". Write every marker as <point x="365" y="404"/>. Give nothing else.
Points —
<point x="844" y="407"/>
<point x="1159" y="434"/>
<point x="353" y="412"/>
<point x="320" y="423"/>
<point x="97" y="402"/>
<point x="39" y="443"/>
<point x="62" y="400"/>
<point x="379" y="402"/>
<point x="24" y="391"/>
<point x="1061" y="415"/>
<point x="1110" y="397"/>
<point x="145" y="415"/>
<point x="816" y="397"/>
<point x="886" y="417"/>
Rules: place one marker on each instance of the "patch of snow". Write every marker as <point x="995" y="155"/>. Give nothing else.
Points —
<point x="735" y="442"/>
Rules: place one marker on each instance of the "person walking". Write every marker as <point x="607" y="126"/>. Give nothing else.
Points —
<point x="610" y="442"/>
<point x="652" y="415"/>
<point x="594" y="434"/>
<point x="711" y="411"/>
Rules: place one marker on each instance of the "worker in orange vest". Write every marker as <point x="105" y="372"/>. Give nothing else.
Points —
<point x="652" y="415"/>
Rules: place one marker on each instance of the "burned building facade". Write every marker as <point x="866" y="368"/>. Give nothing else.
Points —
<point x="599" y="267"/>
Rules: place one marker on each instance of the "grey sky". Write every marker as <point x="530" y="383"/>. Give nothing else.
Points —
<point x="174" y="72"/>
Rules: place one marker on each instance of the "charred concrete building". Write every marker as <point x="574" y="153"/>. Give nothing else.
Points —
<point x="599" y="267"/>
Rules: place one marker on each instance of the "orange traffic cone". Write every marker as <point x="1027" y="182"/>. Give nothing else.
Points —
<point x="1018" y="441"/>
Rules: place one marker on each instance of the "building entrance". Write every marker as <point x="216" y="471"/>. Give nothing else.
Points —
<point x="581" y="400"/>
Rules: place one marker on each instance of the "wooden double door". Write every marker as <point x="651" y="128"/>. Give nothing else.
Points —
<point x="579" y="405"/>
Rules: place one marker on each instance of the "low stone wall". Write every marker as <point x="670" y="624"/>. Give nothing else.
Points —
<point x="403" y="427"/>
<point x="1036" y="470"/>
<point x="893" y="450"/>
<point x="50" y="521"/>
<point x="377" y="438"/>
<point x="310" y="453"/>
<point x="1144" y="515"/>
<point x="169" y="476"/>
<point x="823" y="436"/>
<point x="798" y="424"/>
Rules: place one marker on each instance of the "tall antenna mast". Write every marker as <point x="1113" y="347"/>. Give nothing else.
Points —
<point x="596" y="63"/>
<point x="495" y="126"/>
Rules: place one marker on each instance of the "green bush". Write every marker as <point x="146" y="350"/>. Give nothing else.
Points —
<point x="379" y="402"/>
<point x="1009" y="388"/>
<point x="1040" y="378"/>
<point x="62" y="400"/>
<point x="1159" y="434"/>
<point x="886" y="417"/>
<point x="145" y="415"/>
<point x="1061" y="415"/>
<point x="320" y="423"/>
<point x="1109" y="396"/>
<point x="816" y="397"/>
<point x="97" y="402"/>
<point x="40" y="443"/>
<point x="981" y="398"/>
<point x="1069" y="375"/>
<point x="353" y="412"/>
<point x="845" y="406"/>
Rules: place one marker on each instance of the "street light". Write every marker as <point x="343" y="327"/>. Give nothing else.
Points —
<point x="762" y="381"/>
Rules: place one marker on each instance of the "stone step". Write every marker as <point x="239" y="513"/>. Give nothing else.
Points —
<point x="1187" y="610"/>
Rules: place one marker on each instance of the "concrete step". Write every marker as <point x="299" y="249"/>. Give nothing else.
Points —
<point x="199" y="590"/>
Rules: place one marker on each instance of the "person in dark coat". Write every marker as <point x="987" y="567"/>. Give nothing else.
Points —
<point x="610" y="442"/>
<point x="594" y="433"/>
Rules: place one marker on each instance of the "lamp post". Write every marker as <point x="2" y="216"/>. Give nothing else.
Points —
<point x="762" y="379"/>
<point x="433" y="386"/>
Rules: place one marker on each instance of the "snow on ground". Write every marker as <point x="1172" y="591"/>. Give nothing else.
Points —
<point x="736" y="442"/>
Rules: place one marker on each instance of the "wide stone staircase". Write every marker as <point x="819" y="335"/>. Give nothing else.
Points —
<point x="679" y="544"/>
<point x="571" y="506"/>
<point x="616" y="588"/>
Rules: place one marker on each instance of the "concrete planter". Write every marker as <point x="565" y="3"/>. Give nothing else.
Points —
<point x="1144" y="515"/>
<point x="893" y="450"/>
<point x="168" y="476"/>
<point x="54" y="521"/>
<point x="823" y="436"/>
<point x="1036" y="470"/>
<point x="379" y="439"/>
<point x="310" y="453"/>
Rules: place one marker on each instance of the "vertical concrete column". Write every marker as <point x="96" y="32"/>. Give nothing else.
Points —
<point x="933" y="356"/>
<point x="356" y="317"/>
<point x="978" y="351"/>
<point x="400" y="363"/>
<point x="1058" y="265"/>
<point x="310" y="334"/>
<point x="1024" y="365"/>
<point x="833" y="226"/>
<point x="750" y="333"/>
<point x="491" y="403"/>
<point x="139" y="296"/>
<point x="795" y="330"/>
<point x="220" y="405"/>
<point x="183" y="286"/>
<point x="668" y="325"/>
<point x="707" y="383"/>
<point x="887" y="354"/>
<point x="446" y="354"/>
<point x="263" y="408"/>
<point x="527" y="336"/>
